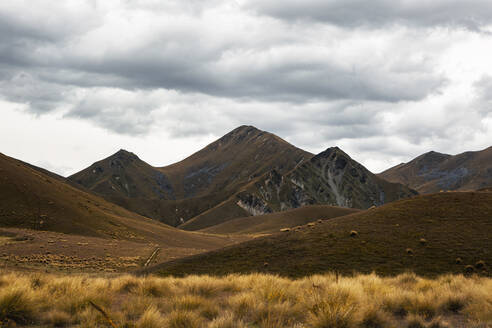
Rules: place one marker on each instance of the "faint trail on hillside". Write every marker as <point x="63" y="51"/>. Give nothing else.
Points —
<point x="152" y="257"/>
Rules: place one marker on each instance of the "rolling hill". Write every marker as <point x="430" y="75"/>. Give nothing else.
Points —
<point x="432" y="171"/>
<point x="429" y="234"/>
<point x="33" y="200"/>
<point x="176" y="193"/>
<point x="273" y="222"/>
<point x="329" y="178"/>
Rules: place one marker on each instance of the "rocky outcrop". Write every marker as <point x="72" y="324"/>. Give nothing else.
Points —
<point x="330" y="178"/>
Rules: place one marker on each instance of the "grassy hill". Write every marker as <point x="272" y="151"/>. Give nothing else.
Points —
<point x="271" y="223"/>
<point x="33" y="200"/>
<point x="430" y="235"/>
<point x="432" y="171"/>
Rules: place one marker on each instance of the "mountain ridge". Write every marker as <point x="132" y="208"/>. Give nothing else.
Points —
<point x="178" y="192"/>
<point x="328" y="178"/>
<point x="433" y="171"/>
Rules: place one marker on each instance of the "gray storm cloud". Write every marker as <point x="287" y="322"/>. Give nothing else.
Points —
<point x="315" y="71"/>
<point x="471" y="14"/>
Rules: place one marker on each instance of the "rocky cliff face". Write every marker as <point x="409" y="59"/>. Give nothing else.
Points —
<point x="330" y="178"/>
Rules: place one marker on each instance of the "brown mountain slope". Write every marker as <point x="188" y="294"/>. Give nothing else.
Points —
<point x="176" y="193"/>
<point x="33" y="200"/>
<point x="232" y="161"/>
<point x="271" y="223"/>
<point x="124" y="174"/>
<point x="425" y="234"/>
<point x="329" y="178"/>
<point x="432" y="172"/>
<point x="126" y="180"/>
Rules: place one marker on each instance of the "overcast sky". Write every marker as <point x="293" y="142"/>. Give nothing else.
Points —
<point x="385" y="80"/>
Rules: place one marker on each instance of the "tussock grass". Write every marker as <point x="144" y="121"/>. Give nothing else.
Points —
<point x="255" y="300"/>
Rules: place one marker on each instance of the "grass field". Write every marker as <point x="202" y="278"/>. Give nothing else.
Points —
<point x="235" y="301"/>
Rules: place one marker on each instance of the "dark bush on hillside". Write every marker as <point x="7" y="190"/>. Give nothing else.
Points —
<point x="480" y="264"/>
<point x="469" y="269"/>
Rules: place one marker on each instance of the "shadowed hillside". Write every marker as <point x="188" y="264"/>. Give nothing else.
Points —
<point x="271" y="223"/>
<point x="329" y="178"/>
<point x="430" y="235"/>
<point x="33" y="200"/>
<point x="432" y="172"/>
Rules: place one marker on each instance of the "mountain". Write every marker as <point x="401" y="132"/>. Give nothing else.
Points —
<point x="233" y="160"/>
<point x="433" y="172"/>
<point x="31" y="199"/>
<point x="274" y="222"/>
<point x="329" y="178"/>
<point x="126" y="180"/>
<point x="176" y="193"/>
<point x="429" y="234"/>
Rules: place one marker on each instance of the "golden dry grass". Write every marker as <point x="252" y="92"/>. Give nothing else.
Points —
<point x="240" y="301"/>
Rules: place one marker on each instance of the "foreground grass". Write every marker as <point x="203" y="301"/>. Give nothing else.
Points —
<point x="236" y="301"/>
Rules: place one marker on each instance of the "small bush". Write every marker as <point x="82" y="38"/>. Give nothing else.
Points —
<point x="227" y="321"/>
<point x="454" y="303"/>
<point x="57" y="318"/>
<point x="459" y="260"/>
<point x="409" y="251"/>
<point x="375" y="317"/>
<point x="16" y="306"/>
<point x="183" y="319"/>
<point x="423" y="241"/>
<point x="334" y="315"/>
<point x="415" y="321"/>
<point x="480" y="264"/>
<point x="354" y="233"/>
<point x="469" y="269"/>
<point x="190" y="302"/>
<point x="151" y="319"/>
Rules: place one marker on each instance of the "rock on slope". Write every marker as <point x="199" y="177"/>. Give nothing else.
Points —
<point x="432" y="172"/>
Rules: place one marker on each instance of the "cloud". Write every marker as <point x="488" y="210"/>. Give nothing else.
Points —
<point x="398" y="75"/>
<point x="219" y="51"/>
<point x="483" y="91"/>
<point x="472" y="14"/>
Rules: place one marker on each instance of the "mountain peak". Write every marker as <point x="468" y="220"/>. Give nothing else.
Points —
<point x="246" y="128"/>
<point x="124" y="155"/>
<point x="244" y="131"/>
<point x="331" y="151"/>
<point x="432" y="156"/>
